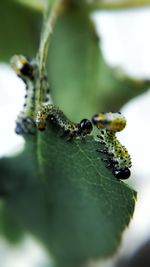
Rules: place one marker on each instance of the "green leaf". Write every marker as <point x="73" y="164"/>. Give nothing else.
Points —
<point x="75" y="206"/>
<point x="9" y="228"/>
<point x="19" y="28"/>
<point x="82" y="83"/>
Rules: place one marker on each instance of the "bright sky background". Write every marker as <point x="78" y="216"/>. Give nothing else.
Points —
<point x="126" y="43"/>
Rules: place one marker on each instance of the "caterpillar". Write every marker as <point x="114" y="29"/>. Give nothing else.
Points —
<point x="27" y="70"/>
<point x="58" y="118"/>
<point x="118" y="158"/>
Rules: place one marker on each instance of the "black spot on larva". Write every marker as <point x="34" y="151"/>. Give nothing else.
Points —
<point x="27" y="70"/>
<point x="46" y="99"/>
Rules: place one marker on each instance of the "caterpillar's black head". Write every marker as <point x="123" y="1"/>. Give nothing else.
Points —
<point x="27" y="69"/>
<point x="85" y="127"/>
<point x="122" y="174"/>
<point x="22" y="66"/>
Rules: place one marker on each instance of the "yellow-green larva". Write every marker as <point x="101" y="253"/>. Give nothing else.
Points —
<point x="57" y="117"/>
<point x="118" y="159"/>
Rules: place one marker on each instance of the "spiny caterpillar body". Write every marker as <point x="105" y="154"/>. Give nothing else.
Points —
<point x="118" y="158"/>
<point x="57" y="117"/>
<point x="27" y="70"/>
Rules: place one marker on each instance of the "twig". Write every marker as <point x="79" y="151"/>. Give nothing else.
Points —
<point x="50" y="18"/>
<point x="109" y="5"/>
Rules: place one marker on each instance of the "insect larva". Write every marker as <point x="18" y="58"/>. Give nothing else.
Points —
<point x="57" y="117"/>
<point x="117" y="155"/>
<point x="27" y="70"/>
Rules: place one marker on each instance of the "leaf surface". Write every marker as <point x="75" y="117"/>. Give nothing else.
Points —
<point x="74" y="205"/>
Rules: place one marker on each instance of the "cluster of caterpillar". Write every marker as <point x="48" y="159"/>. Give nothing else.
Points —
<point x="27" y="120"/>
<point x="118" y="158"/>
<point x="108" y="123"/>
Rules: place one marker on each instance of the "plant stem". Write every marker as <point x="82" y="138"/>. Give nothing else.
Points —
<point x="109" y="5"/>
<point x="50" y="18"/>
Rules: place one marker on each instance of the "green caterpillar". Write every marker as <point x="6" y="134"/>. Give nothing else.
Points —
<point x="57" y="117"/>
<point x="118" y="158"/>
